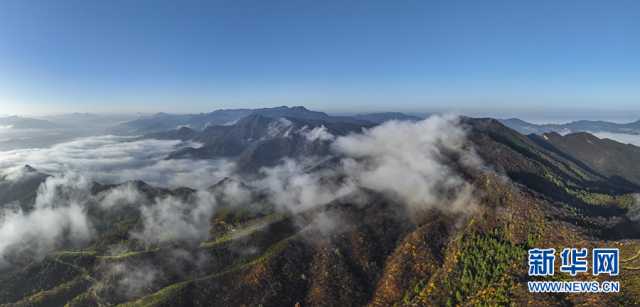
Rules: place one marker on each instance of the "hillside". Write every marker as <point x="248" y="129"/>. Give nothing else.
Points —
<point x="605" y="156"/>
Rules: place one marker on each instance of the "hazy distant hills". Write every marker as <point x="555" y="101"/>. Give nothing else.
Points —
<point x="163" y="122"/>
<point x="91" y="121"/>
<point x="575" y="126"/>
<point x="17" y="122"/>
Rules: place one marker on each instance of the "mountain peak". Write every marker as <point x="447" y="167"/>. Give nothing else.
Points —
<point x="29" y="169"/>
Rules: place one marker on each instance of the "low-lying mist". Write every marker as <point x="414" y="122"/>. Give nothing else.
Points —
<point x="112" y="159"/>
<point x="633" y="139"/>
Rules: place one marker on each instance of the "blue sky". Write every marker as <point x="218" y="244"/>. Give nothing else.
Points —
<point x="341" y="56"/>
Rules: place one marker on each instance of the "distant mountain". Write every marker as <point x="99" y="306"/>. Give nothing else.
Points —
<point x="607" y="157"/>
<point x="18" y="122"/>
<point x="162" y="122"/>
<point x="258" y="140"/>
<point x="295" y="112"/>
<point x="576" y="126"/>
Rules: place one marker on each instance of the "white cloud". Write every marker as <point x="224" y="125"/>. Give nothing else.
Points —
<point x="131" y="280"/>
<point x="318" y="133"/>
<point x="174" y="219"/>
<point x="121" y="195"/>
<point x="410" y="160"/>
<point x="279" y="128"/>
<point x="58" y="215"/>
<point x="292" y="188"/>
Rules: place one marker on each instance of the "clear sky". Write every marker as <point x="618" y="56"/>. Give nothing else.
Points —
<point x="192" y="56"/>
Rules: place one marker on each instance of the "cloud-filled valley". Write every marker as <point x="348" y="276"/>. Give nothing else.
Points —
<point x="112" y="159"/>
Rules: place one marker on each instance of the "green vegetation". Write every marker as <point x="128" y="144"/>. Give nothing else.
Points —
<point x="589" y="197"/>
<point x="485" y="270"/>
<point x="483" y="274"/>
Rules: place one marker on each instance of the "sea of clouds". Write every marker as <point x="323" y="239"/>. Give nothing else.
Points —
<point x="113" y="159"/>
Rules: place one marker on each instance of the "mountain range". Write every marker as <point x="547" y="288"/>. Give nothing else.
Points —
<point x="162" y="121"/>
<point x="531" y="191"/>
<point x="257" y="140"/>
